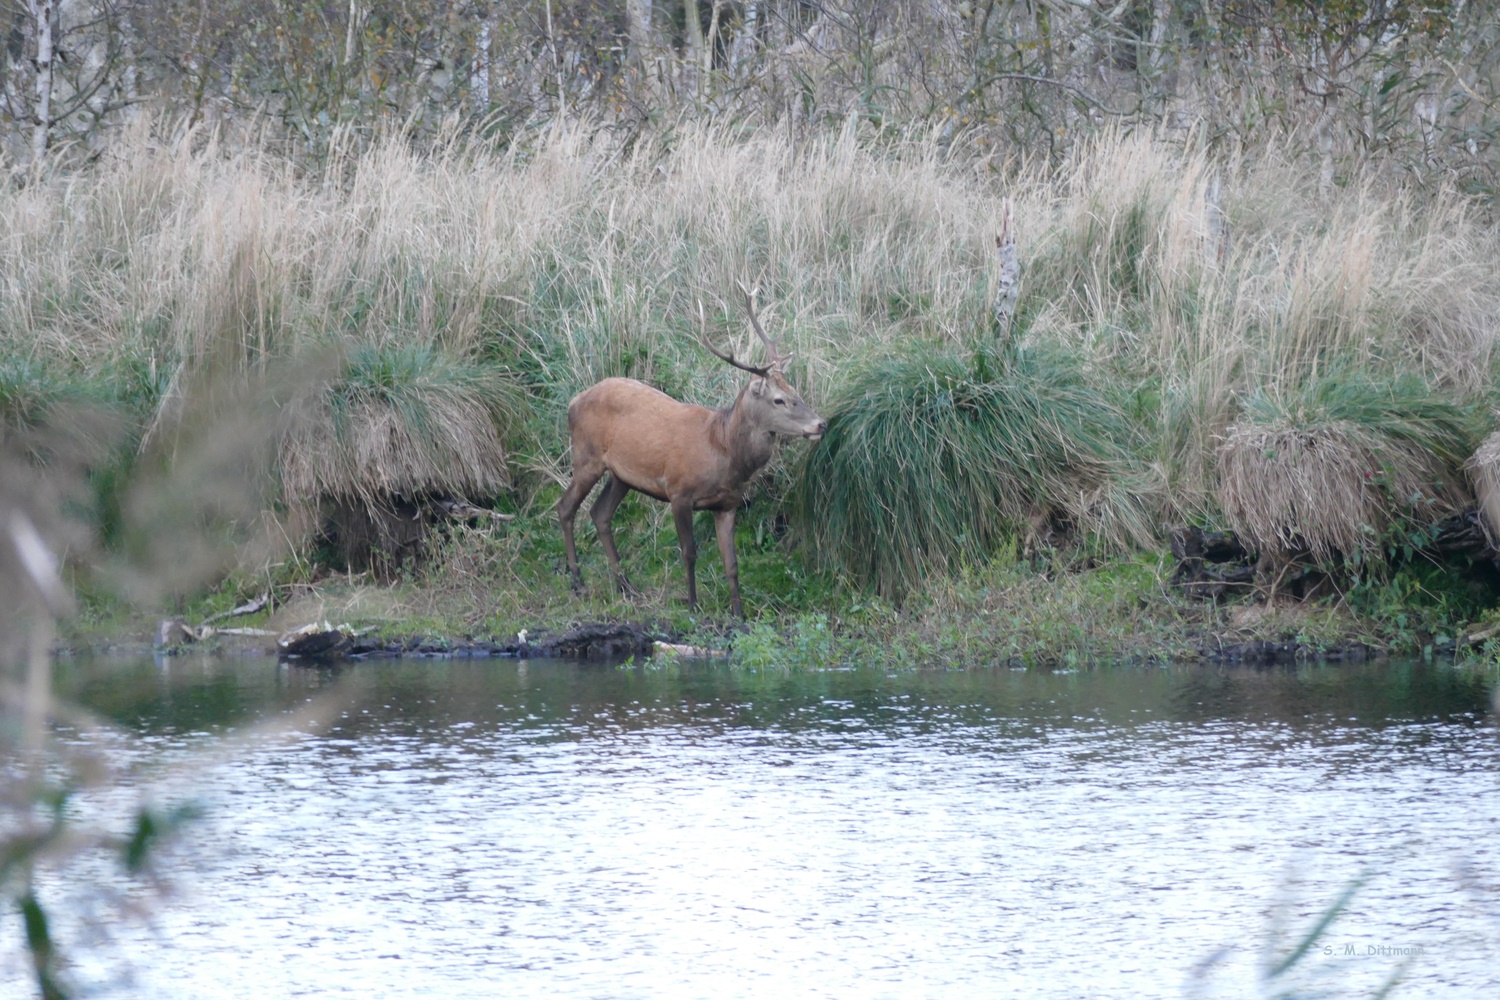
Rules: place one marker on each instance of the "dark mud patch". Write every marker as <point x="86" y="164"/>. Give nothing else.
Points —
<point x="586" y="641"/>
<point x="1270" y="651"/>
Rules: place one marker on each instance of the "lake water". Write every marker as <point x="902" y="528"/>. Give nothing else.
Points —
<point x="494" y="828"/>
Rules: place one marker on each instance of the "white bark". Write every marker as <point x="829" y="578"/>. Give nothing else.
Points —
<point x="130" y="72"/>
<point x="713" y="37"/>
<point x="481" y="81"/>
<point x="695" y="61"/>
<point x="562" y="104"/>
<point x="1156" y="42"/>
<point x="638" y="29"/>
<point x="1008" y="283"/>
<point x="1217" y="234"/>
<point x="743" y="47"/>
<point x="41" y="13"/>
<point x="353" y="32"/>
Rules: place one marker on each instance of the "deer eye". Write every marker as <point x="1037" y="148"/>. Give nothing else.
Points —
<point x="780" y="401"/>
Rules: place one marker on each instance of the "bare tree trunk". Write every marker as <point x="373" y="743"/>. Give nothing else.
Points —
<point x="693" y="39"/>
<point x="711" y="40"/>
<point x="353" y="32"/>
<point x="130" y="77"/>
<point x="1008" y="282"/>
<point x="1156" y="44"/>
<point x="1215" y="84"/>
<point x="1324" y="69"/>
<point x="41" y="12"/>
<point x="638" y="30"/>
<point x="1425" y="111"/>
<point x="481" y="79"/>
<point x="1154" y="66"/>
<point x="743" y="46"/>
<point x="556" y="60"/>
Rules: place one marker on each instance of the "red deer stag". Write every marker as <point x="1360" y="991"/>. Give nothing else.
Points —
<point x="691" y="457"/>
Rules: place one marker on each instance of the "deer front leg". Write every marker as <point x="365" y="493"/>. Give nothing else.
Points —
<point x="682" y="516"/>
<point x="724" y="528"/>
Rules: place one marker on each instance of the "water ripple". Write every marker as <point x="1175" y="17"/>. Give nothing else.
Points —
<point x="466" y="829"/>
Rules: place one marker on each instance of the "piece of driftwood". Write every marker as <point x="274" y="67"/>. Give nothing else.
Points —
<point x="248" y="608"/>
<point x="1483" y="635"/>
<point x="586" y="641"/>
<point x="459" y="510"/>
<point x="176" y="632"/>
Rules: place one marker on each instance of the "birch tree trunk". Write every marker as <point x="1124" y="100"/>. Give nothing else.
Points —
<point x="1155" y="62"/>
<point x="556" y="59"/>
<point x="481" y="79"/>
<point x="41" y="13"/>
<point x="1323" y="69"/>
<point x="130" y="76"/>
<point x="742" y="48"/>
<point x="638" y="31"/>
<point x="353" y="32"/>
<point x="693" y="39"/>
<point x="711" y="40"/>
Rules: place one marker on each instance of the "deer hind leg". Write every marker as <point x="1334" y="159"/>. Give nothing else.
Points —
<point x="682" y="516"/>
<point x="585" y="475"/>
<point x="724" y="528"/>
<point x="601" y="513"/>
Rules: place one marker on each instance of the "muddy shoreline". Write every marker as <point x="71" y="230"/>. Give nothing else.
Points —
<point x="614" y="641"/>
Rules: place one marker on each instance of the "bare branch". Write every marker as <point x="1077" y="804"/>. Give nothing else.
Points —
<point x="1096" y="101"/>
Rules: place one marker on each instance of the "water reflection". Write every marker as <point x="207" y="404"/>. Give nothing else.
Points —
<point x="462" y="828"/>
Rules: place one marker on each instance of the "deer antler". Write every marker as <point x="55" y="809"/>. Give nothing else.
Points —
<point x="752" y="369"/>
<point x="777" y="358"/>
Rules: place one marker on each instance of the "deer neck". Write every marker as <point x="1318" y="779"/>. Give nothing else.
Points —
<point x="748" y="447"/>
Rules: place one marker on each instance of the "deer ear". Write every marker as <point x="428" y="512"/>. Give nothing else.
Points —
<point x="757" y="386"/>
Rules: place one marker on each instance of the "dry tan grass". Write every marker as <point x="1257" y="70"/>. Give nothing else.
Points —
<point x="1330" y="490"/>
<point x="1203" y="277"/>
<point x="373" y="453"/>
<point x="173" y="248"/>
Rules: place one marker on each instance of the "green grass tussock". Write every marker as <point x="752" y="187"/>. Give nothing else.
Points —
<point x="31" y="394"/>
<point x="933" y="455"/>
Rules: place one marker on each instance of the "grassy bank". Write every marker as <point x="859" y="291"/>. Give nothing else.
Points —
<point x="256" y="349"/>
